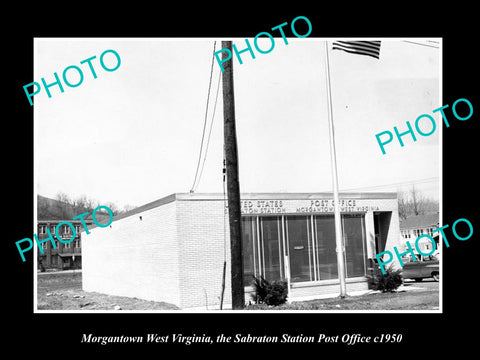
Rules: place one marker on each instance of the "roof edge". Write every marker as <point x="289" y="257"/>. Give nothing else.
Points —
<point x="254" y="196"/>
<point x="148" y="206"/>
<point x="289" y="196"/>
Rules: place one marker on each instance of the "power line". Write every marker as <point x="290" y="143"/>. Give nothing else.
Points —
<point x="209" y="133"/>
<point x="205" y="120"/>
<point x="420" y="181"/>
<point x="412" y="42"/>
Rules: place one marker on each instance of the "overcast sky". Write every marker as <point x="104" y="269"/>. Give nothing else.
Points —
<point x="133" y="135"/>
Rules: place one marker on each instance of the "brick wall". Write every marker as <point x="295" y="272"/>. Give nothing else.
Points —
<point x="201" y="245"/>
<point x="133" y="257"/>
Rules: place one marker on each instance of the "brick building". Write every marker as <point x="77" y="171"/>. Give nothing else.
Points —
<point x="64" y="256"/>
<point x="173" y="249"/>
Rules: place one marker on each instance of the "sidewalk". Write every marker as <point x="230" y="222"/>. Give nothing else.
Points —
<point x="76" y="271"/>
<point x="401" y="288"/>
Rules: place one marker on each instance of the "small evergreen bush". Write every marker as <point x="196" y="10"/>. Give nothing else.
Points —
<point x="270" y="293"/>
<point x="388" y="282"/>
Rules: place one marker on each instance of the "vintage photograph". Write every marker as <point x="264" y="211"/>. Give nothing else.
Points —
<point x="277" y="173"/>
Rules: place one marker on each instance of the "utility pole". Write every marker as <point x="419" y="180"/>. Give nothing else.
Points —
<point x="233" y="186"/>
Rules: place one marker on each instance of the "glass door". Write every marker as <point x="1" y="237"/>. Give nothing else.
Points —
<point x="325" y="247"/>
<point x="299" y="248"/>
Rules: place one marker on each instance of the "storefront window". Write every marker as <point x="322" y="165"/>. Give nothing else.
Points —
<point x="248" y="248"/>
<point x="310" y="245"/>
<point x="271" y="245"/>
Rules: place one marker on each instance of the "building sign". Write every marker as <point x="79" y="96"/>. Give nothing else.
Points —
<point x="251" y="207"/>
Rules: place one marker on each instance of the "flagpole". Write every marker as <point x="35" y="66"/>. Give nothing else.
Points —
<point x="340" y="248"/>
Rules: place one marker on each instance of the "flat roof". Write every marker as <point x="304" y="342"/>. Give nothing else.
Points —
<point x="254" y="196"/>
<point x="289" y="196"/>
<point x="57" y="221"/>
<point x="419" y="221"/>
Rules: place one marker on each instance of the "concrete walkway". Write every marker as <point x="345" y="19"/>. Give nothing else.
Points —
<point x="401" y="288"/>
<point x="76" y="271"/>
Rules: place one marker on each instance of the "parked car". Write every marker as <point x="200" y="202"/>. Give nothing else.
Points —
<point x="423" y="267"/>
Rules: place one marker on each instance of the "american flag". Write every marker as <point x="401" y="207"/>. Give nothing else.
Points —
<point x="369" y="48"/>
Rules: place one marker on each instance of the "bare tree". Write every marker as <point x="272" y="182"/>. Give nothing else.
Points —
<point x="63" y="197"/>
<point x="415" y="203"/>
<point x="403" y="206"/>
<point x="68" y="207"/>
<point x="84" y="203"/>
<point x="80" y="202"/>
<point x="63" y="205"/>
<point x="91" y="204"/>
<point x="113" y="207"/>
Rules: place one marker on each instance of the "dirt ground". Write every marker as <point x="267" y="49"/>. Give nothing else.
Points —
<point x="63" y="291"/>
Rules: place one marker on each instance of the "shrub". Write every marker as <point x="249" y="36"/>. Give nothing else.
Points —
<point x="388" y="282"/>
<point x="269" y="293"/>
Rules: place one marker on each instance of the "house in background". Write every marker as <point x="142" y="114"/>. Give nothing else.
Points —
<point x="414" y="226"/>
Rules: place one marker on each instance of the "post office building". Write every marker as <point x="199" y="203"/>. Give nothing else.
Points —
<point x="173" y="249"/>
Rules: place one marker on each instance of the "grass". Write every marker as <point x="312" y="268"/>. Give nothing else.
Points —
<point x="63" y="291"/>
<point x="425" y="299"/>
